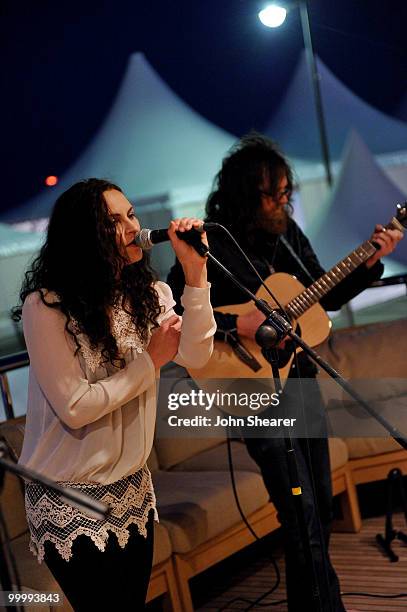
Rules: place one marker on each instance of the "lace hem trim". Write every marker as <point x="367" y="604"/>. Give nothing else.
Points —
<point x="64" y="547"/>
<point x="50" y="519"/>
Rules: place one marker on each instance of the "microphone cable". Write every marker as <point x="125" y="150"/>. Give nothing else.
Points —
<point x="252" y="267"/>
<point x="254" y="534"/>
<point x="192" y="384"/>
<point x="259" y="600"/>
<point x="231" y="470"/>
<point x="374" y="595"/>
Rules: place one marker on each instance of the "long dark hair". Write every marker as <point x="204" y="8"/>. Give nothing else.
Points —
<point x="236" y="198"/>
<point x="81" y="263"/>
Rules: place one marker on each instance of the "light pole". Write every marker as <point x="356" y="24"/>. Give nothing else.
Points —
<point x="273" y="16"/>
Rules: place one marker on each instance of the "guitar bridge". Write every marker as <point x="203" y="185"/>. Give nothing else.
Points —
<point x="242" y="353"/>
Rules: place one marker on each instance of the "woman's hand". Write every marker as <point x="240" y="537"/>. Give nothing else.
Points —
<point x="193" y="264"/>
<point x="164" y="341"/>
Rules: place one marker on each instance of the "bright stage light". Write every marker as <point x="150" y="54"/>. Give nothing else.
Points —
<point x="51" y="180"/>
<point x="273" y="16"/>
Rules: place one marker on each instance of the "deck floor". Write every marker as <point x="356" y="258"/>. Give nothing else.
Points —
<point x="360" y="564"/>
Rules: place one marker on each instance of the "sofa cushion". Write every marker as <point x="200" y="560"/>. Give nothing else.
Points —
<point x="371" y="357"/>
<point x="216" y="458"/>
<point x="338" y="453"/>
<point x="12" y="497"/>
<point x="12" y="431"/>
<point x="369" y="351"/>
<point x="350" y="420"/>
<point x="12" y="505"/>
<point x="197" y="507"/>
<point x="171" y="451"/>
<point x="368" y="447"/>
<point x="162" y="544"/>
<point x="32" y="574"/>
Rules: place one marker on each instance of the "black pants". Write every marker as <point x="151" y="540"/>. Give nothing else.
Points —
<point x="115" y="579"/>
<point x="270" y="455"/>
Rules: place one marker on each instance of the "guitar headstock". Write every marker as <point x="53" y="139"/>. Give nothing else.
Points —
<point x="401" y="216"/>
<point x="399" y="221"/>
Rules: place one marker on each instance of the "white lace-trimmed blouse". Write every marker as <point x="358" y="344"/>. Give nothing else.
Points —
<point x="90" y="425"/>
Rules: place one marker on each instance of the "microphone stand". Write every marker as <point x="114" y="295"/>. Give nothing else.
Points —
<point x="268" y="340"/>
<point x="268" y="336"/>
<point x="92" y="507"/>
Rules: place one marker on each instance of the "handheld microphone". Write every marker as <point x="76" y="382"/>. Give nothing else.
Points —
<point x="147" y="238"/>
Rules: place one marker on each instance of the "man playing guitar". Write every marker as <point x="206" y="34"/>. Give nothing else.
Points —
<point x="251" y="198"/>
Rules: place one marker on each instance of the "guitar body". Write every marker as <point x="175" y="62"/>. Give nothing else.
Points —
<point x="314" y="325"/>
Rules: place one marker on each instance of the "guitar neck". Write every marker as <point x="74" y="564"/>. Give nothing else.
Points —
<point x="330" y="279"/>
<point x="335" y="275"/>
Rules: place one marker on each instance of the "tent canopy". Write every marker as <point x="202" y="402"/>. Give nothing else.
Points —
<point x="150" y="143"/>
<point x="294" y="124"/>
<point x="362" y="196"/>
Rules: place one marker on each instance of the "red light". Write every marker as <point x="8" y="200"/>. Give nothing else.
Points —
<point x="50" y="181"/>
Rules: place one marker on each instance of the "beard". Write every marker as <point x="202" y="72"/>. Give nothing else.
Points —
<point x="275" y="222"/>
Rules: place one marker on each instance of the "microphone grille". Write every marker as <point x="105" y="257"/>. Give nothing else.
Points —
<point x="142" y="240"/>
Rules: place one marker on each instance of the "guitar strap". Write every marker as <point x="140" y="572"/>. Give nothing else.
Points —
<point x="288" y="246"/>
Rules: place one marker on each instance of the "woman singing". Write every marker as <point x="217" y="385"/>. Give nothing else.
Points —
<point x="98" y="327"/>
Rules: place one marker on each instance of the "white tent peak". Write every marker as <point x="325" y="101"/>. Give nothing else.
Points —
<point x="294" y="124"/>
<point x="150" y="143"/>
<point x="362" y="196"/>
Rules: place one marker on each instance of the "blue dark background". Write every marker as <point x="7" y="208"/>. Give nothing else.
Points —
<point x="62" y="63"/>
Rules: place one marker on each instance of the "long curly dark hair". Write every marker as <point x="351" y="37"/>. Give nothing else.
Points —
<point x="81" y="263"/>
<point x="235" y="198"/>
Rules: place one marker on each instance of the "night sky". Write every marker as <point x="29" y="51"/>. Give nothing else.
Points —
<point x="62" y="63"/>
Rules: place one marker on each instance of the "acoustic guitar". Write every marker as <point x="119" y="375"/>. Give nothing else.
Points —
<point x="308" y="318"/>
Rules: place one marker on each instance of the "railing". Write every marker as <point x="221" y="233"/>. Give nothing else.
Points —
<point x="7" y="364"/>
<point x="398" y="279"/>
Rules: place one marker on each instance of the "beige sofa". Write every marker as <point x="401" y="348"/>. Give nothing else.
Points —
<point x="197" y="506"/>
<point x="373" y="359"/>
<point x="199" y="521"/>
